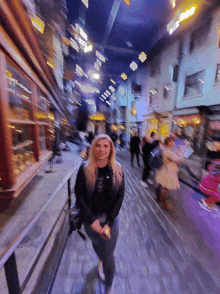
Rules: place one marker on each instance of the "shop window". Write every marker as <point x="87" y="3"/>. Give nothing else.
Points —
<point x="217" y="75"/>
<point x="194" y="84"/>
<point x="175" y="73"/>
<point x="153" y="98"/>
<point x="166" y="91"/>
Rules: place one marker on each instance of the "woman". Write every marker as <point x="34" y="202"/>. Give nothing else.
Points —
<point x="210" y="185"/>
<point x="167" y="177"/>
<point x="99" y="193"/>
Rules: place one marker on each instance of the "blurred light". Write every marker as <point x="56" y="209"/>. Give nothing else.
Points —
<point x="109" y="103"/>
<point x="83" y="43"/>
<point x="87" y="88"/>
<point x="98" y="62"/>
<point x="12" y="127"/>
<point x="187" y="13"/>
<point x="127" y="2"/>
<point x="173" y="3"/>
<point x="201" y="81"/>
<point x="90" y="101"/>
<point x="100" y="56"/>
<point x="153" y="92"/>
<point x="50" y="64"/>
<point x="19" y="131"/>
<point x="167" y="87"/>
<point x="86" y="3"/>
<point x="134" y="111"/>
<point x="103" y="96"/>
<point x="112" y="88"/>
<point x="86" y="75"/>
<point x="133" y="66"/>
<point x="109" y="93"/>
<point x="114" y="98"/>
<point x="51" y="116"/>
<point x="83" y="34"/>
<point x="114" y="127"/>
<point x="96" y="66"/>
<point x="142" y="57"/>
<point x="79" y="70"/>
<point x="124" y="76"/>
<point x="38" y="23"/>
<point x="172" y="26"/>
<point x="96" y="76"/>
<point x="88" y="48"/>
<point x="122" y="127"/>
<point x="197" y="120"/>
<point x="74" y="45"/>
<point x="112" y="81"/>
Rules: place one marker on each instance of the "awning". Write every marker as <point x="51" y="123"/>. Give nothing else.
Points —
<point x="97" y="116"/>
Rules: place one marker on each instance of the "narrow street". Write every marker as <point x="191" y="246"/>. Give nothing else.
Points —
<point x="157" y="251"/>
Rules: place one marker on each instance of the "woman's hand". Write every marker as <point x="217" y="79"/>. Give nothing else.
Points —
<point x="96" y="226"/>
<point x="105" y="233"/>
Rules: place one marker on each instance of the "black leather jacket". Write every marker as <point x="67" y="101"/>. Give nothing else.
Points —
<point x="84" y="198"/>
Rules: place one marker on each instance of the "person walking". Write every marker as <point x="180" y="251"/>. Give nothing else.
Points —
<point x="167" y="177"/>
<point x="99" y="193"/>
<point x="150" y="143"/>
<point x="114" y="137"/>
<point x="210" y="186"/>
<point x="135" y="148"/>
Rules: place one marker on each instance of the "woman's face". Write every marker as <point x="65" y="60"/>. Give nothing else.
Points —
<point x="102" y="149"/>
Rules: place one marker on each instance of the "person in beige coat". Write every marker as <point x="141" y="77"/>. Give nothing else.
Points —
<point x="167" y="176"/>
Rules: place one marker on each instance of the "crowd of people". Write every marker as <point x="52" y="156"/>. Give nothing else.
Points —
<point x="100" y="187"/>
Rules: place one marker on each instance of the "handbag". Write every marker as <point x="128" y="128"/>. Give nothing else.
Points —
<point x="75" y="221"/>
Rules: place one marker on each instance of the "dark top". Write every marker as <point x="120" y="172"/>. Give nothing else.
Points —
<point x="106" y="197"/>
<point x="100" y="196"/>
<point x="135" y="144"/>
<point x="148" y="147"/>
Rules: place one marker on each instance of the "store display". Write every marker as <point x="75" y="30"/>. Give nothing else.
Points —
<point x="22" y="158"/>
<point x="19" y="108"/>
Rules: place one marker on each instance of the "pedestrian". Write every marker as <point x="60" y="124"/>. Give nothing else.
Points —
<point x="121" y="138"/>
<point x="135" y="148"/>
<point x="150" y="143"/>
<point x="99" y="193"/>
<point x="210" y="186"/>
<point x="167" y="177"/>
<point x="114" y="137"/>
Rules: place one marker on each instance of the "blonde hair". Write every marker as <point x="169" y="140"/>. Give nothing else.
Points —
<point x="91" y="168"/>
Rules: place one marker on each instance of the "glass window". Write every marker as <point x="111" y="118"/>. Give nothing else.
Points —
<point x="42" y="115"/>
<point x="194" y="84"/>
<point x="42" y="101"/>
<point x="23" y="141"/>
<point x="217" y="76"/>
<point x="17" y="83"/>
<point x="154" y="99"/>
<point x="22" y="158"/>
<point x="19" y="108"/>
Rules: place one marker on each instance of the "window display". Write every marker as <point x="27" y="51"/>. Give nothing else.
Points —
<point x="28" y="138"/>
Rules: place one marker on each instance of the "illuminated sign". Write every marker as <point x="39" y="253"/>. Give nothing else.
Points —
<point x="124" y="76"/>
<point x="181" y="16"/>
<point x="86" y="3"/>
<point x="142" y="57"/>
<point x="38" y="23"/>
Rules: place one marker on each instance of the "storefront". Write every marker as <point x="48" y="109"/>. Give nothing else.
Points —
<point x="189" y="127"/>
<point x="27" y="90"/>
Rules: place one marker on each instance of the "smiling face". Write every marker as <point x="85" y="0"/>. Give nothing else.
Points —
<point x="102" y="149"/>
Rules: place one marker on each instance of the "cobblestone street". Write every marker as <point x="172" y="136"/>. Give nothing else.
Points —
<point x="157" y="251"/>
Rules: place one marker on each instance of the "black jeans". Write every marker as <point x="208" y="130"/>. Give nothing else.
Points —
<point x="132" y="157"/>
<point x="146" y="172"/>
<point x="105" y="250"/>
